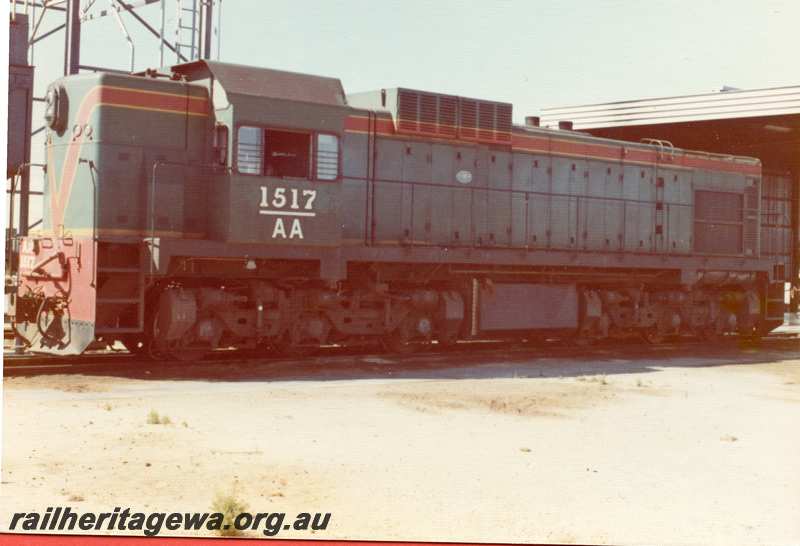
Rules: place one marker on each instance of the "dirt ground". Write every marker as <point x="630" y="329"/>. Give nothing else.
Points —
<point x="673" y="449"/>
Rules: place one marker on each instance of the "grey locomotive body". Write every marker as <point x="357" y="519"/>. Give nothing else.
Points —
<point x="405" y="216"/>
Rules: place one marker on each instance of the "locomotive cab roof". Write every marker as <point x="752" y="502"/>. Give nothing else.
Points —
<point x="253" y="81"/>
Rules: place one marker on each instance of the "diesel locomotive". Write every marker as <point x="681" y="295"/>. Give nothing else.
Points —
<point x="213" y="205"/>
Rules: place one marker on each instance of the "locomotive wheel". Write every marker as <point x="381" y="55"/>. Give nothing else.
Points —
<point x="155" y="351"/>
<point x="413" y="333"/>
<point x="296" y="341"/>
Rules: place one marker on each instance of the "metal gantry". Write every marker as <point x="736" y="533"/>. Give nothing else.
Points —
<point x="194" y="29"/>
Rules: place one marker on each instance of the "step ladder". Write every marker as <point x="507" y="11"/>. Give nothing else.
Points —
<point x="774" y="306"/>
<point x="187" y="30"/>
<point x="120" y="286"/>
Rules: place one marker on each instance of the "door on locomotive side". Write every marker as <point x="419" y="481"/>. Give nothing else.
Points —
<point x="390" y="212"/>
<point x="467" y="176"/>
<point x="522" y="173"/>
<point x="595" y="230"/>
<point x="355" y="192"/>
<point x="578" y="183"/>
<point x="479" y="197"/>
<point x="443" y="175"/>
<point x="668" y="207"/>
<point x="499" y="196"/>
<point x="614" y="206"/>
<point x="562" y="228"/>
<point x="417" y="194"/>
<point x="540" y="201"/>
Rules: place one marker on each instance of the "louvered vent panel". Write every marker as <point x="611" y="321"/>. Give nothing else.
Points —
<point x="486" y="122"/>
<point x="718" y="239"/>
<point x="468" y="119"/>
<point x="718" y="206"/>
<point x="503" y="122"/>
<point x="408" y="112"/>
<point x="427" y="114"/>
<point x="447" y="116"/>
<point x="718" y="222"/>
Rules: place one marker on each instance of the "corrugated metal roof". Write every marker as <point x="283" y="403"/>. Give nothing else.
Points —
<point x="265" y="82"/>
<point x="722" y="105"/>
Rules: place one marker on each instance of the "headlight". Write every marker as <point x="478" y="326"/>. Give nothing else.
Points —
<point x="55" y="113"/>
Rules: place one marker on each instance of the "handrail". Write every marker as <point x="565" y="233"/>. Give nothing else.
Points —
<point x="131" y="46"/>
<point x="661" y="145"/>
<point x="578" y="207"/>
<point x="500" y="190"/>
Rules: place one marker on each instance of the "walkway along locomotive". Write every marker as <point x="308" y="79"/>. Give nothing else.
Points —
<point x="231" y="206"/>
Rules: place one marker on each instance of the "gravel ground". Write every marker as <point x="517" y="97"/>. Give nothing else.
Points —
<point x="674" y="449"/>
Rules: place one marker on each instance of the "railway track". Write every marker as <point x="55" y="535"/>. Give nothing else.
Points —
<point x="234" y="364"/>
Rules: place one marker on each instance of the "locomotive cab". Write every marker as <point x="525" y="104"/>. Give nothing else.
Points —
<point x="284" y="132"/>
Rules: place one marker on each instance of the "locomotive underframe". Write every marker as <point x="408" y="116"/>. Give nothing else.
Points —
<point x="186" y="298"/>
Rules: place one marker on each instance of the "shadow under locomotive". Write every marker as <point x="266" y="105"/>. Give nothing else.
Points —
<point x="479" y="361"/>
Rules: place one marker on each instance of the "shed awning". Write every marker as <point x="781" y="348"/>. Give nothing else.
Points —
<point x="762" y="123"/>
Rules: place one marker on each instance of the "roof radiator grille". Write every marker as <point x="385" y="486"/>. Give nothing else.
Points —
<point x="468" y="119"/>
<point x="448" y="116"/>
<point x="485" y="121"/>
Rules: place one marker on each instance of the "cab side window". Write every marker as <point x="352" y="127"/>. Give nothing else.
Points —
<point x="288" y="154"/>
<point x="250" y="150"/>
<point x="285" y="153"/>
<point x="327" y="157"/>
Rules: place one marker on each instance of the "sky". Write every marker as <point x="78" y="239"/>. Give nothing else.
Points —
<point x="534" y="54"/>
